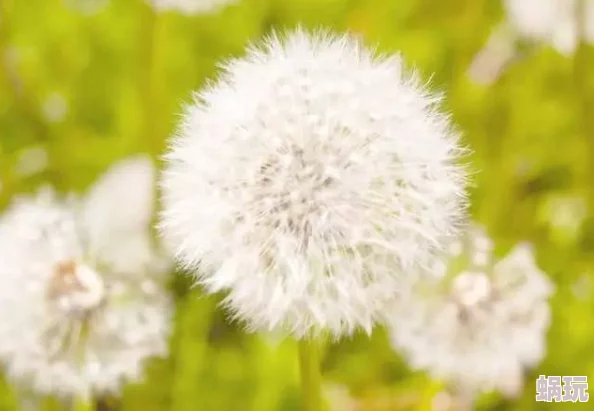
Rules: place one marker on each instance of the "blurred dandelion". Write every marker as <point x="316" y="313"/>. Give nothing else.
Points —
<point x="553" y="22"/>
<point x="308" y="183"/>
<point x="190" y="6"/>
<point x="82" y="303"/>
<point x="482" y="324"/>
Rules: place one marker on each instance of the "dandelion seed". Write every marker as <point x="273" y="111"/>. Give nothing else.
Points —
<point x="73" y="319"/>
<point x="309" y="182"/>
<point x="478" y="329"/>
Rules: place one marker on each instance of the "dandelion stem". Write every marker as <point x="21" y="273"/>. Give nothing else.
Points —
<point x="82" y="403"/>
<point x="151" y="130"/>
<point x="311" y="376"/>
<point x="192" y="338"/>
<point x="582" y="63"/>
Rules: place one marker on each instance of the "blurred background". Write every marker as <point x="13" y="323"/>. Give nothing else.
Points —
<point x="86" y="82"/>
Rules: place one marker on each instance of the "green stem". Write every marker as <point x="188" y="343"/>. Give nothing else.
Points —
<point x="195" y="320"/>
<point x="82" y="403"/>
<point x="584" y="86"/>
<point x="311" y="376"/>
<point x="151" y="88"/>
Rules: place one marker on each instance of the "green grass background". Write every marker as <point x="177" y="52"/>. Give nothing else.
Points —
<point x="124" y="74"/>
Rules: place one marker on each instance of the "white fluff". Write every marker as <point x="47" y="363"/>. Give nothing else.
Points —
<point x="482" y="325"/>
<point x="310" y="182"/>
<point x="81" y="297"/>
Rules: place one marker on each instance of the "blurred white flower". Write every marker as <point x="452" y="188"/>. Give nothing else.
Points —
<point x="309" y="182"/>
<point x="31" y="160"/>
<point x="55" y="107"/>
<point x="478" y="329"/>
<point x="552" y="21"/>
<point x="81" y="297"/>
<point x="190" y="6"/>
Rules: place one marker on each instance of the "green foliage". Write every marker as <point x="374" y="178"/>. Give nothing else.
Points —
<point x="122" y="76"/>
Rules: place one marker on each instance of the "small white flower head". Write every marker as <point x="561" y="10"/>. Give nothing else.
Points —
<point x="553" y="21"/>
<point x="82" y="302"/>
<point x="482" y="324"/>
<point x="190" y="7"/>
<point x="309" y="182"/>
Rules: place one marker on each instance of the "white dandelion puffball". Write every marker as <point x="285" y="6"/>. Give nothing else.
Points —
<point x="482" y="324"/>
<point x="82" y="302"/>
<point x="308" y="182"/>
<point x="190" y="6"/>
<point x="552" y="21"/>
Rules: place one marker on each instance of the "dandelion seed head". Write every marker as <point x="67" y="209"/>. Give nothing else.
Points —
<point x="73" y="319"/>
<point x="552" y="21"/>
<point x="478" y="329"/>
<point x="309" y="181"/>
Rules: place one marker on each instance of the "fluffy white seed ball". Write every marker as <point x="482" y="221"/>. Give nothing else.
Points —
<point x="309" y="182"/>
<point x="82" y="301"/>
<point x="482" y="325"/>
